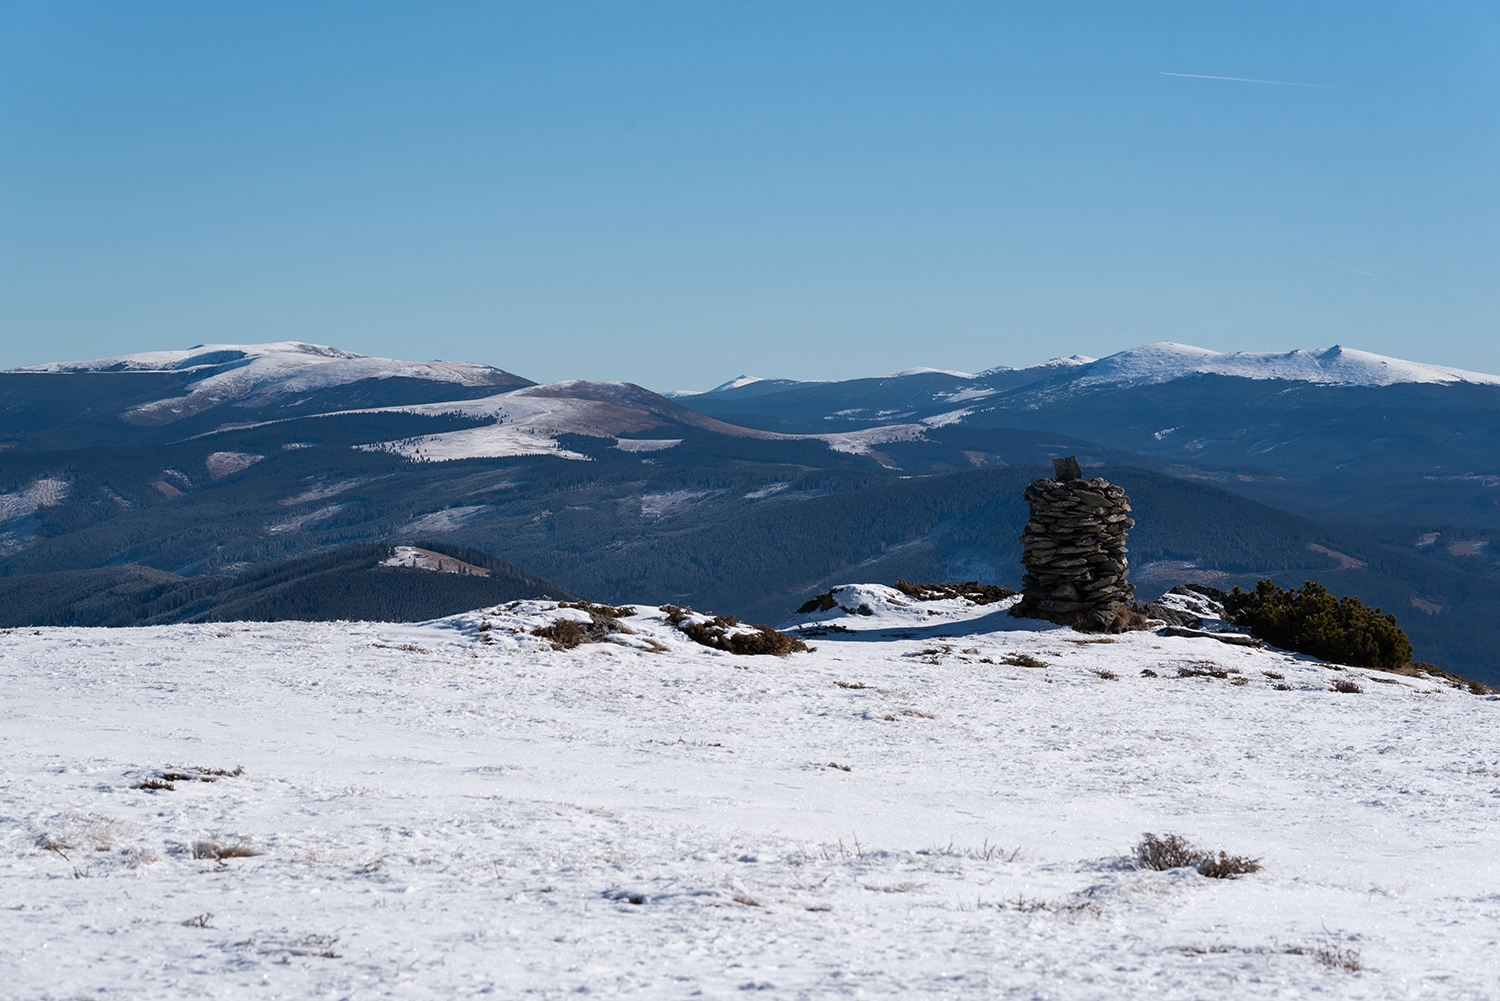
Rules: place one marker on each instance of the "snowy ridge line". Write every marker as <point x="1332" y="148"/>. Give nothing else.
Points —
<point x="942" y="802"/>
<point x="256" y="373"/>
<point x="1336" y="366"/>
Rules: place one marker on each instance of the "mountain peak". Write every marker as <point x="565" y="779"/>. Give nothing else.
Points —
<point x="1165" y="361"/>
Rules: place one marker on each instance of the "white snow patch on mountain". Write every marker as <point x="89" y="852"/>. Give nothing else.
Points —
<point x="944" y="419"/>
<point x="645" y="444"/>
<point x="1075" y="361"/>
<point x="863" y="442"/>
<point x="921" y="370"/>
<point x="1339" y="366"/>
<point x="455" y="807"/>
<point x="492" y="441"/>
<point x="42" y="492"/>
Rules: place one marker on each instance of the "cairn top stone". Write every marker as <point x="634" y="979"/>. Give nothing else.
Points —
<point x="1067" y="469"/>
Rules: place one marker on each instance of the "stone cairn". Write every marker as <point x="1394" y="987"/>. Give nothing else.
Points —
<point x="1075" y="552"/>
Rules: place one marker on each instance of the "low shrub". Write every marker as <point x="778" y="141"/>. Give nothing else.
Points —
<point x="1224" y="866"/>
<point x="608" y="611"/>
<point x="1022" y="660"/>
<point x="979" y="594"/>
<point x="565" y="634"/>
<point x="1310" y="620"/>
<point x="1347" y="686"/>
<point x="1176" y="852"/>
<point x="725" y="632"/>
<point x="1161" y="854"/>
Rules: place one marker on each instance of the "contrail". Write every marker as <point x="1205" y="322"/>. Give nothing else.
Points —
<point x="1241" y="79"/>
<point x="1336" y="264"/>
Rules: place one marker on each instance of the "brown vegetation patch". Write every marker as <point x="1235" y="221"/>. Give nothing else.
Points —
<point x="979" y="594"/>
<point x="722" y="633"/>
<point x="1175" y="852"/>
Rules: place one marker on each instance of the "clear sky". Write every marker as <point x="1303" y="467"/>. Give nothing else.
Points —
<point x="674" y="194"/>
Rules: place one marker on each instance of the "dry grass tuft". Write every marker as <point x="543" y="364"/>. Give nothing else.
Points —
<point x="852" y="685"/>
<point x="1146" y="672"/>
<point x="1339" y="958"/>
<point x="917" y="712"/>
<point x="608" y="611"/>
<point x="565" y="634"/>
<point x="1161" y="854"/>
<point x="1282" y="686"/>
<point x="1107" y="675"/>
<point x="1176" y="852"/>
<point x="979" y="594"/>
<point x="1273" y="675"/>
<point x="217" y="852"/>
<point x="722" y="632"/>
<point x="1347" y="686"/>
<point x="1224" y="866"/>
<point x="1022" y="660"/>
<point x="1202" y="669"/>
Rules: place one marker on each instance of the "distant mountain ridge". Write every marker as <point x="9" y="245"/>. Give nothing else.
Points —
<point x="744" y="497"/>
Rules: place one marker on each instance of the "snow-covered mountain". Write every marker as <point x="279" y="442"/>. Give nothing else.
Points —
<point x="527" y="421"/>
<point x="1335" y="366"/>
<point x="258" y="377"/>
<point x="929" y="806"/>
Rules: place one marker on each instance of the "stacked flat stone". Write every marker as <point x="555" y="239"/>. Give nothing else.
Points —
<point x="1074" y="544"/>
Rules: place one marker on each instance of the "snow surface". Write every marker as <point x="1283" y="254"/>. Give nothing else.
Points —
<point x="426" y="559"/>
<point x="1336" y="366"/>
<point x="921" y="370"/>
<point x="262" y="371"/>
<point x="455" y="808"/>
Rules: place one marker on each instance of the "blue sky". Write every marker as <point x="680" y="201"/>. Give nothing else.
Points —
<point x="674" y="194"/>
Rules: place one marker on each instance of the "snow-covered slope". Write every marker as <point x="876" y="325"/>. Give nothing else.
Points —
<point x="527" y="421"/>
<point x="1336" y="366"/>
<point x="255" y="373"/>
<point x="938" y="806"/>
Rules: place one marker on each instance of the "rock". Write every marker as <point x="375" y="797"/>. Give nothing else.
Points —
<point x="1075" y="552"/>
<point x="1067" y="470"/>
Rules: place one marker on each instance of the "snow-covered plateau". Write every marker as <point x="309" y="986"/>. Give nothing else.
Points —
<point x="941" y="800"/>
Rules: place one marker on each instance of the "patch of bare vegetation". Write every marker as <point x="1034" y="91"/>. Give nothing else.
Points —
<point x="219" y="851"/>
<point x="608" y="611"/>
<point x="979" y="594"/>
<point x="1175" y="852"/>
<point x="1075" y="909"/>
<point x="165" y="780"/>
<point x="1347" y="686"/>
<point x="1338" y="958"/>
<point x="1022" y="660"/>
<point x="408" y="647"/>
<point x="1106" y="675"/>
<point x="1202" y="669"/>
<point x="725" y="632"/>
<point x="81" y="832"/>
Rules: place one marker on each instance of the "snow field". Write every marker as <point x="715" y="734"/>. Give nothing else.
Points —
<point x="455" y="808"/>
